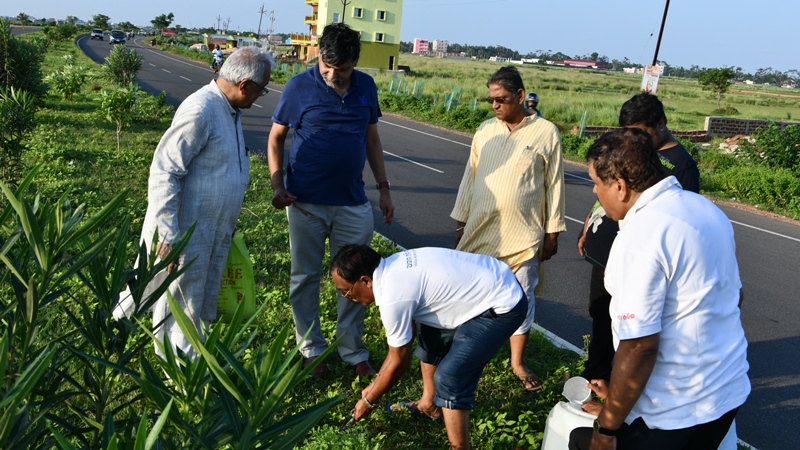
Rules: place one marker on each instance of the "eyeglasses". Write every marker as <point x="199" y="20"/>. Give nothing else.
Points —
<point x="347" y="294"/>
<point x="501" y="100"/>
<point x="264" y="90"/>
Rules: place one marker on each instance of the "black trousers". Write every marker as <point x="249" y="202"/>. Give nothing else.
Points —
<point x="601" y="345"/>
<point x="637" y="436"/>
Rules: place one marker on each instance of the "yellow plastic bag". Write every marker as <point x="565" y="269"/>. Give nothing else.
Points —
<point x="238" y="283"/>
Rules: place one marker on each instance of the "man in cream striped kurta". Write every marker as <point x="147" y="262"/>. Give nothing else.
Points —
<point x="510" y="204"/>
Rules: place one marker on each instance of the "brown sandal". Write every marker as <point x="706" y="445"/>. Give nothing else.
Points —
<point x="530" y="382"/>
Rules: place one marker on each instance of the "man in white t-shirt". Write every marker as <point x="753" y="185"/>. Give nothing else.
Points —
<point x="475" y="295"/>
<point x="680" y="369"/>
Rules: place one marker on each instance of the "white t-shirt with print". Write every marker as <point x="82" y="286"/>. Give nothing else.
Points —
<point x="441" y="288"/>
<point x="672" y="270"/>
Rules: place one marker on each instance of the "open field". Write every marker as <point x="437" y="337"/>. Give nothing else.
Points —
<point x="565" y="93"/>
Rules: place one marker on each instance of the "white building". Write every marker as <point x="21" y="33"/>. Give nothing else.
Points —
<point x="440" y="45"/>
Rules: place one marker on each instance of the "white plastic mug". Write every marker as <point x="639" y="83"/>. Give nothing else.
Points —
<point x="576" y="391"/>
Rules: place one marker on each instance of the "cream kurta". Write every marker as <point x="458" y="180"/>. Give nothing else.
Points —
<point x="199" y="174"/>
<point x="512" y="192"/>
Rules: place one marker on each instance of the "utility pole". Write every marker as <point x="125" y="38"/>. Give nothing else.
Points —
<point x="661" y="33"/>
<point x="227" y="23"/>
<point x="261" y="16"/>
<point x="271" y="22"/>
<point x="218" y="19"/>
<point x="344" y="5"/>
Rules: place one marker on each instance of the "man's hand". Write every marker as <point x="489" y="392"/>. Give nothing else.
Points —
<point x="599" y="387"/>
<point x="459" y="232"/>
<point x="163" y="250"/>
<point x="582" y="235"/>
<point x="602" y="442"/>
<point x="386" y="206"/>
<point x="549" y="246"/>
<point x="282" y="198"/>
<point x="361" y="410"/>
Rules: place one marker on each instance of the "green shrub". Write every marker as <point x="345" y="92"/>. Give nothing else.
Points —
<point x="17" y="116"/>
<point x="774" y="147"/>
<point x="122" y="65"/>
<point x="68" y="80"/>
<point x="21" y="62"/>
<point x="762" y="186"/>
<point x="576" y="146"/>
<point x="150" y="110"/>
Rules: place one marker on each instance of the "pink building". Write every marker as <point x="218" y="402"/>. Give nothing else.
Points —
<point x="420" y="45"/>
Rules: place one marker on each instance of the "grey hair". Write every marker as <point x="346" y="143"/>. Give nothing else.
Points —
<point x="246" y="64"/>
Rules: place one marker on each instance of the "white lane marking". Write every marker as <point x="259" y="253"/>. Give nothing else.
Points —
<point x="766" y="231"/>
<point x="578" y="177"/>
<point x="426" y="134"/>
<point x="573" y="219"/>
<point x="152" y="64"/>
<point x="413" y="162"/>
<point x="184" y="78"/>
<point x="165" y="70"/>
<point x="257" y="105"/>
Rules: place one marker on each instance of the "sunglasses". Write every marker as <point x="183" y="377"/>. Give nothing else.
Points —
<point x="502" y="100"/>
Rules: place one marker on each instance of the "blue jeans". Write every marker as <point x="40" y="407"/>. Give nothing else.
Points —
<point x="461" y="354"/>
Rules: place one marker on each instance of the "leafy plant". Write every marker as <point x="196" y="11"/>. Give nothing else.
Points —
<point x="117" y="106"/>
<point x="122" y="65"/>
<point x="68" y="80"/>
<point x="21" y="62"/>
<point x="17" y="115"/>
<point x="775" y="147"/>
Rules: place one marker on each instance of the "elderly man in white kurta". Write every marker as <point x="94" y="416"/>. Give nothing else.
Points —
<point x="199" y="174"/>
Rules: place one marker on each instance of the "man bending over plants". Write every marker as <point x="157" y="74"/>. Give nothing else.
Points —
<point x="475" y="296"/>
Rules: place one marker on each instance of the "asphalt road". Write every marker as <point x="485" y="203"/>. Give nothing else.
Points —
<point x="425" y="165"/>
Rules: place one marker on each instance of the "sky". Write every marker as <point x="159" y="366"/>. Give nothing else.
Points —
<point x="706" y="33"/>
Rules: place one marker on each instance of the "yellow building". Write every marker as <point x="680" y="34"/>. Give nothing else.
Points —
<point x="378" y="21"/>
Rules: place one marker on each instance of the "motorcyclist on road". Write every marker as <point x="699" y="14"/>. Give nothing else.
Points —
<point x="531" y="103"/>
<point x="216" y="63"/>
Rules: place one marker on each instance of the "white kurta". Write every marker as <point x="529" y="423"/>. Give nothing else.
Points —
<point x="199" y="174"/>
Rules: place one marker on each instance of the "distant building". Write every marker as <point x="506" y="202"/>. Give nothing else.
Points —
<point x="499" y="59"/>
<point x="420" y="46"/>
<point x="378" y="21"/>
<point x="586" y="63"/>
<point x="439" y="46"/>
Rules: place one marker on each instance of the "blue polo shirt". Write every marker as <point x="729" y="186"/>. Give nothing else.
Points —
<point x="329" y="147"/>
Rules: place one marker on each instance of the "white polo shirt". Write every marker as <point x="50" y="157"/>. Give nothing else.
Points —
<point x="441" y="288"/>
<point x="672" y="270"/>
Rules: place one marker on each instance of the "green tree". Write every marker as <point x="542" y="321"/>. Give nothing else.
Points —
<point x="117" y="107"/>
<point x="126" y="26"/>
<point x="101" y="21"/>
<point x="22" y="17"/>
<point x="69" y="79"/>
<point x="122" y="65"/>
<point x="717" y="81"/>
<point x="163" y="21"/>
<point x="71" y="20"/>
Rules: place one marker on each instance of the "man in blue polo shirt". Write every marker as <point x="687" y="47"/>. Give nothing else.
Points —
<point x="333" y="110"/>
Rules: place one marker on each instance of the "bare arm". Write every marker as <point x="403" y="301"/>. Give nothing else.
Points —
<point x="396" y="363"/>
<point x="281" y="198"/>
<point x="582" y="235"/>
<point x="633" y="365"/>
<point x="375" y="159"/>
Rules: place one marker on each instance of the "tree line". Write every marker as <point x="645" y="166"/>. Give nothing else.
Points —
<point x="761" y="76"/>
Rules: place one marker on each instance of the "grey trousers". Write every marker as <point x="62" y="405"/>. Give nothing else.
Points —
<point x="528" y="277"/>
<point x="309" y="226"/>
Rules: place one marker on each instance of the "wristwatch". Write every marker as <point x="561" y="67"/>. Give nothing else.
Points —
<point x="603" y="431"/>
<point x="383" y="184"/>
